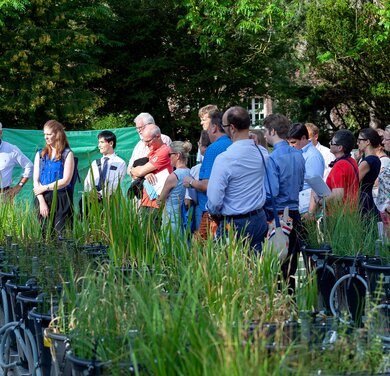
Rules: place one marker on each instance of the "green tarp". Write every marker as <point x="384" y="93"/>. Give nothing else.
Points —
<point x="83" y="143"/>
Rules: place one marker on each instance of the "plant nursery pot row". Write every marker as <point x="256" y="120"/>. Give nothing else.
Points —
<point x="329" y="268"/>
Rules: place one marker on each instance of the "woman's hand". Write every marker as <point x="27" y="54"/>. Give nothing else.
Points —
<point x="43" y="209"/>
<point x="40" y="189"/>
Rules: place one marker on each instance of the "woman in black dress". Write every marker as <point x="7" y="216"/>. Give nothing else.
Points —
<point x="369" y="168"/>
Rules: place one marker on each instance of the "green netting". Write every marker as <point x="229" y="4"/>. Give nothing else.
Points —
<point x="83" y="143"/>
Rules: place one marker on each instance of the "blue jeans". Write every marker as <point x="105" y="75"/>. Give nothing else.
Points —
<point x="254" y="226"/>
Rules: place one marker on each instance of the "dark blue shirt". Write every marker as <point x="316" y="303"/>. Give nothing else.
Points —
<point x="212" y="151"/>
<point x="286" y="171"/>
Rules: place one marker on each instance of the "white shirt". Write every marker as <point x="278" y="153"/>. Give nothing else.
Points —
<point x="115" y="173"/>
<point x="142" y="151"/>
<point x="191" y="193"/>
<point x="328" y="157"/>
<point x="10" y="156"/>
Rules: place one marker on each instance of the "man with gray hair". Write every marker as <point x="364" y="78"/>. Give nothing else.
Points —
<point x="141" y="150"/>
<point x="158" y="160"/>
<point x="10" y="156"/>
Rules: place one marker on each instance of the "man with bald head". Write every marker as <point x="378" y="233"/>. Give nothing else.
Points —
<point x="158" y="161"/>
<point x="141" y="150"/>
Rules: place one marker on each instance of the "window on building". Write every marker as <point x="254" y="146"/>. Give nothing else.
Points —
<point x="256" y="110"/>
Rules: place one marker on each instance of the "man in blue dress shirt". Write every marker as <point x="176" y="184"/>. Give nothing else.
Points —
<point x="298" y="137"/>
<point x="219" y="143"/>
<point x="236" y="191"/>
<point x="286" y="170"/>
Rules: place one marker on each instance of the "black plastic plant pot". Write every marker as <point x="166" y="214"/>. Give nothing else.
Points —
<point x="276" y="335"/>
<point x="39" y="322"/>
<point x="13" y="289"/>
<point x="27" y="300"/>
<point x="318" y="332"/>
<point x="83" y="367"/>
<point x="59" y="345"/>
<point x="7" y="275"/>
<point x="348" y="295"/>
<point x="318" y="260"/>
<point x="314" y="257"/>
<point x="378" y="280"/>
<point x="97" y="250"/>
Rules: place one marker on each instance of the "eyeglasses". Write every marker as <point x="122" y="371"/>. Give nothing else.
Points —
<point x="386" y="139"/>
<point x="149" y="141"/>
<point x="361" y="139"/>
<point x="333" y="143"/>
<point x="140" y="128"/>
<point x="172" y="154"/>
<point x="226" y="125"/>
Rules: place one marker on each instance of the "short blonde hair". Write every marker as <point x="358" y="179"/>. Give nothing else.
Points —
<point x="206" y="110"/>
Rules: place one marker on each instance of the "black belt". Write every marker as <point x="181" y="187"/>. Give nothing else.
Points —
<point x="289" y="211"/>
<point x="5" y="188"/>
<point x="246" y="215"/>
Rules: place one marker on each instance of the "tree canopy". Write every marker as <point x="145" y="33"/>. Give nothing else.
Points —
<point x="77" y="60"/>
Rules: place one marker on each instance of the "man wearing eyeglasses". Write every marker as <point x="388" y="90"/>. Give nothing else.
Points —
<point x="236" y="191"/>
<point x="158" y="161"/>
<point x="343" y="180"/>
<point x="141" y="150"/>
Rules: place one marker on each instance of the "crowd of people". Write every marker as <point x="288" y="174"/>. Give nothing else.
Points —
<point x="244" y="178"/>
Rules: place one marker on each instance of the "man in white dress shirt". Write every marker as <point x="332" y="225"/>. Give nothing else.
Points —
<point x="11" y="156"/>
<point x="326" y="153"/>
<point x="141" y="150"/>
<point x="107" y="172"/>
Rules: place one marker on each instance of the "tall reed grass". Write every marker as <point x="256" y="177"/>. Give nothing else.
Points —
<point x="167" y="306"/>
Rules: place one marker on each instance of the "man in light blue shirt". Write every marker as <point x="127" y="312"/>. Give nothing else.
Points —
<point x="236" y="191"/>
<point x="298" y="137"/>
<point x="286" y="170"/>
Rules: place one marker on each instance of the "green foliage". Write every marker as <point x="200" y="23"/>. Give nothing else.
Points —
<point x="348" y="48"/>
<point x="112" y="121"/>
<point x="48" y="56"/>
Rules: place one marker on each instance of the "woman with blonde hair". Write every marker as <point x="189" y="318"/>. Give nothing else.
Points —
<point x="53" y="171"/>
<point x="173" y="192"/>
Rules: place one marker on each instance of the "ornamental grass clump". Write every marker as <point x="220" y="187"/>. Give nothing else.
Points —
<point x="18" y="220"/>
<point x="201" y="327"/>
<point x="103" y="321"/>
<point x="347" y="231"/>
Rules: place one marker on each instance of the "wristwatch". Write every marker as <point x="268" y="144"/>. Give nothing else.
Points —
<point x="190" y="183"/>
<point x="20" y="184"/>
